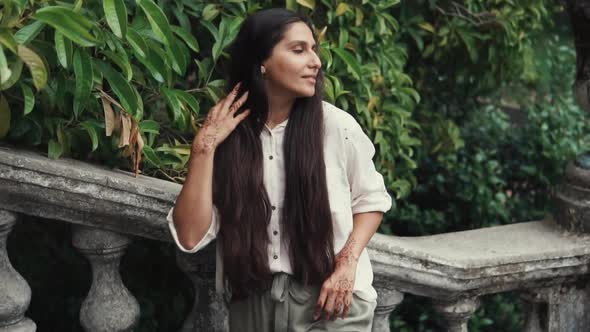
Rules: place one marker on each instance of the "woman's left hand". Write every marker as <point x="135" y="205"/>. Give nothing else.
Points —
<point x="336" y="292"/>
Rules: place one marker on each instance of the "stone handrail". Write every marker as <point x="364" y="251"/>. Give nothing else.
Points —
<point x="108" y="207"/>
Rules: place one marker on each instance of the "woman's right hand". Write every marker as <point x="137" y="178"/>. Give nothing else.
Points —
<point x="220" y="122"/>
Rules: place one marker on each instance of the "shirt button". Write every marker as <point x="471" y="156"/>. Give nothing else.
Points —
<point x="275" y="232"/>
<point x="270" y="157"/>
<point x="275" y="257"/>
<point x="273" y="207"/>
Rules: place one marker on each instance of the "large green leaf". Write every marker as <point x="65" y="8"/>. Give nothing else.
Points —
<point x="122" y="61"/>
<point x="151" y="156"/>
<point x="154" y="64"/>
<point x="8" y="40"/>
<point x="28" y="32"/>
<point x="158" y="20"/>
<point x="10" y="14"/>
<point x="154" y="47"/>
<point x="4" y="116"/>
<point x="63" y="48"/>
<point x="210" y="11"/>
<point x="176" y="56"/>
<point x="350" y="60"/>
<point x="16" y="68"/>
<point x="149" y="126"/>
<point x="92" y="132"/>
<point x="54" y="149"/>
<point x="221" y="39"/>
<point x="29" y="98"/>
<point x="116" y="16"/>
<point x="83" y="72"/>
<point x="189" y="100"/>
<point x="174" y="107"/>
<point x="36" y="66"/>
<point x="71" y="24"/>
<point x="122" y="89"/>
<point x="307" y="3"/>
<point x="139" y="103"/>
<point x="136" y="42"/>
<point x="5" y="72"/>
<point x="187" y="37"/>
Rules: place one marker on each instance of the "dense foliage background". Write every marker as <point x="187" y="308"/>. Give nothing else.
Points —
<point x="468" y="103"/>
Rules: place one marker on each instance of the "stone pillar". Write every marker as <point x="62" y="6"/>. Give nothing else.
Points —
<point x="209" y="312"/>
<point x="109" y="306"/>
<point x="573" y="211"/>
<point x="558" y="308"/>
<point x="15" y="293"/>
<point x="542" y="309"/>
<point x="456" y="313"/>
<point x="387" y="301"/>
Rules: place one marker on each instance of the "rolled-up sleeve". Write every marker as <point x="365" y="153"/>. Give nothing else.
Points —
<point x="368" y="189"/>
<point x="209" y="236"/>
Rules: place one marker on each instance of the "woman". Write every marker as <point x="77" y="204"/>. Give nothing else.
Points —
<point x="287" y="184"/>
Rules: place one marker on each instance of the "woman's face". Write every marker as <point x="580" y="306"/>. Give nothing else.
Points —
<point x="293" y="64"/>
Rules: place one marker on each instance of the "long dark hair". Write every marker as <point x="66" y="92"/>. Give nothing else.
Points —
<point x="238" y="188"/>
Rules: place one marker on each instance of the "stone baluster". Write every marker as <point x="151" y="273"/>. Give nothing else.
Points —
<point x="456" y="313"/>
<point x="15" y="293"/>
<point x="109" y="306"/>
<point x="387" y="301"/>
<point x="543" y="309"/>
<point x="209" y="311"/>
<point x="558" y="308"/>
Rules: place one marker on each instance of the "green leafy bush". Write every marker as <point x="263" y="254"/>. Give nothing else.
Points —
<point x="464" y="101"/>
<point x="147" y="80"/>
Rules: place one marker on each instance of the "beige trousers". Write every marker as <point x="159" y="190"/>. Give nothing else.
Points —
<point x="289" y="307"/>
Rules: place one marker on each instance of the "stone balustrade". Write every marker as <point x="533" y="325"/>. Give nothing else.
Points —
<point x="543" y="260"/>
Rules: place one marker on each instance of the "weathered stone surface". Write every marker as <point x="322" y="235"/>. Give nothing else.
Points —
<point x="109" y="306"/>
<point x="82" y="193"/>
<point x="449" y="267"/>
<point x="209" y="311"/>
<point x="15" y="293"/>
<point x="573" y="200"/>
<point x="387" y="301"/>
<point x="558" y="308"/>
<point x="456" y="313"/>
<point x="481" y="261"/>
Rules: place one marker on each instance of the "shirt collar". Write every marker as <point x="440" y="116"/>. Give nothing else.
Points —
<point x="278" y="126"/>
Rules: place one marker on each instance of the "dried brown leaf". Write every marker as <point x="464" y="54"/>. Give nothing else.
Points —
<point x="125" y="130"/>
<point x="109" y="116"/>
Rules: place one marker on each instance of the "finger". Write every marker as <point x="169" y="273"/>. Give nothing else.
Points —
<point x="347" y="304"/>
<point x="338" y="305"/>
<point x="321" y="301"/>
<point x="229" y="99"/>
<point x="214" y="112"/>
<point x="241" y="116"/>
<point x="236" y="105"/>
<point x="329" y="306"/>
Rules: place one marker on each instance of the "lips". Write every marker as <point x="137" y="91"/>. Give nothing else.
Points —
<point x="310" y="78"/>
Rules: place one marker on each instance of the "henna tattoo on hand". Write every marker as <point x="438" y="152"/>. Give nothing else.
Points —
<point x="209" y="139"/>
<point x="346" y="255"/>
<point x="344" y="285"/>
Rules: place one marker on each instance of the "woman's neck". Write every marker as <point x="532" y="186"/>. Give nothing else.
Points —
<point x="278" y="110"/>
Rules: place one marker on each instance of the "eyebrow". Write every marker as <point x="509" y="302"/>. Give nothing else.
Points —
<point x="301" y="42"/>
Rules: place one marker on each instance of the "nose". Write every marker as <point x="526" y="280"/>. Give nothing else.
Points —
<point x="316" y="62"/>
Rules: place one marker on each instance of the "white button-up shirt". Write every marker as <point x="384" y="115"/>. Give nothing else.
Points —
<point x="354" y="186"/>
